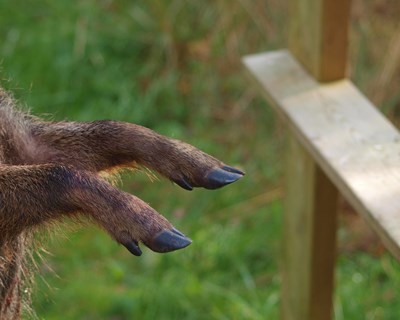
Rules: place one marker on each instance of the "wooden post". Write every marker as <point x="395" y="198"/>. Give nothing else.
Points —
<point x="318" y="33"/>
<point x="309" y="238"/>
<point x="318" y="39"/>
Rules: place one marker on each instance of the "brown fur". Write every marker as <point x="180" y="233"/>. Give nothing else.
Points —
<point x="50" y="169"/>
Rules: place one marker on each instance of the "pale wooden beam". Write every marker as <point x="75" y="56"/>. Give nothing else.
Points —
<point x="337" y="136"/>
<point x="346" y="135"/>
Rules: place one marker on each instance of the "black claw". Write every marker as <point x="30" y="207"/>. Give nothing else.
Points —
<point x="133" y="247"/>
<point x="176" y="231"/>
<point x="221" y="177"/>
<point x="183" y="183"/>
<point x="232" y="169"/>
<point x="169" y="240"/>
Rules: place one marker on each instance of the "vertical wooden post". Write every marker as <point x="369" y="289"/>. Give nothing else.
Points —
<point x="318" y="34"/>
<point x="318" y="39"/>
<point x="309" y="238"/>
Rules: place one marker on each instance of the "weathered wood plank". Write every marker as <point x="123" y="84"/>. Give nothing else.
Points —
<point x="318" y="39"/>
<point x="309" y="237"/>
<point x="318" y="32"/>
<point x="356" y="146"/>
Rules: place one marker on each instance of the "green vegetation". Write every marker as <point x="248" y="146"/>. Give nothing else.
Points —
<point x="174" y="66"/>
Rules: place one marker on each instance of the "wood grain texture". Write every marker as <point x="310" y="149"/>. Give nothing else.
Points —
<point x="318" y="36"/>
<point x="309" y="237"/>
<point x="355" y="145"/>
<point x="318" y="39"/>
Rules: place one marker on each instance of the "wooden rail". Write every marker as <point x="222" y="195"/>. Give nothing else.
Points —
<point x="337" y="140"/>
<point x="354" y="144"/>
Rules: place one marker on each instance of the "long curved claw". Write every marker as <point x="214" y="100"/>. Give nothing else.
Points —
<point x="169" y="240"/>
<point x="222" y="176"/>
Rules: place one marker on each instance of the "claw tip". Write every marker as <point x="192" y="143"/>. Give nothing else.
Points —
<point x="223" y="176"/>
<point x="169" y="240"/>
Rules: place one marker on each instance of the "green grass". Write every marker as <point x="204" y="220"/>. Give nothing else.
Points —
<point x="174" y="66"/>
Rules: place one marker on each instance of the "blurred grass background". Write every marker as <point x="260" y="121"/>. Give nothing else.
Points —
<point x="174" y="66"/>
